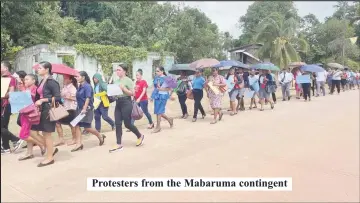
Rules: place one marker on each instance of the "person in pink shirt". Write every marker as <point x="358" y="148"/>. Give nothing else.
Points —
<point x="68" y="94"/>
<point x="28" y="132"/>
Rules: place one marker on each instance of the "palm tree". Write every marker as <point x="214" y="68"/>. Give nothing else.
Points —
<point x="280" y="44"/>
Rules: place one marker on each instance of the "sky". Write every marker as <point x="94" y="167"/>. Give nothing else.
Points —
<point x="227" y="13"/>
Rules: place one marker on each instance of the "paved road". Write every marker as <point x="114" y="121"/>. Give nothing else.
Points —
<point x="315" y="143"/>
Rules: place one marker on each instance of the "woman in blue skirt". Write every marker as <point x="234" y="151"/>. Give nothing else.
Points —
<point x="160" y="96"/>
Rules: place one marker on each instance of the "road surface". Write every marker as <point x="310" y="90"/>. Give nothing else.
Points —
<point x="316" y="143"/>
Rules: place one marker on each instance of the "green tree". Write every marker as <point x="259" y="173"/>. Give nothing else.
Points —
<point x="279" y="39"/>
<point x="260" y="10"/>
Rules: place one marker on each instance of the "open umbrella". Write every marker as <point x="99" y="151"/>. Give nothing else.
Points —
<point x="296" y="64"/>
<point x="335" y="65"/>
<point x="320" y="64"/>
<point x="266" y="66"/>
<point x="177" y="68"/>
<point x="60" y="69"/>
<point x="204" y="63"/>
<point x="231" y="63"/>
<point x="312" y="68"/>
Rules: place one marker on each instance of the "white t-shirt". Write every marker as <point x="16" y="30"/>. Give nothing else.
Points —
<point x="321" y="76"/>
<point x="337" y="75"/>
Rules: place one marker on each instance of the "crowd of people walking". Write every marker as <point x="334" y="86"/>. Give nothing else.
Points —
<point x="78" y="97"/>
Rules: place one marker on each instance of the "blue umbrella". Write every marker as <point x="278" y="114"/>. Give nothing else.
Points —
<point x="265" y="66"/>
<point x="312" y="68"/>
<point x="231" y="63"/>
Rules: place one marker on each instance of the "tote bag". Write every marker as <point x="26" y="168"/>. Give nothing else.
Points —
<point x="136" y="112"/>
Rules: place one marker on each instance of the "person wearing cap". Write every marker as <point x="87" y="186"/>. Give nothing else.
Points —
<point x="285" y="78"/>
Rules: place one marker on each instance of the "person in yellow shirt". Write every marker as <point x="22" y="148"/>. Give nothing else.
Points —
<point x="100" y="88"/>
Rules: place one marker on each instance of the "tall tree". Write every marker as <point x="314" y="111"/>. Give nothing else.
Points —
<point x="258" y="11"/>
<point x="279" y="39"/>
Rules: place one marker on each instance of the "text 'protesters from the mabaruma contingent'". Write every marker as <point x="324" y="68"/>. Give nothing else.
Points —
<point x="190" y="184"/>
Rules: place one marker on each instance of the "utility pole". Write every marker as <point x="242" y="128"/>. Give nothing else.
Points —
<point x="343" y="44"/>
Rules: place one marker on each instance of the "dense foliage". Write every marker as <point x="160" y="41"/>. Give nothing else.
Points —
<point x="150" y="26"/>
<point x="279" y="28"/>
<point x="122" y="30"/>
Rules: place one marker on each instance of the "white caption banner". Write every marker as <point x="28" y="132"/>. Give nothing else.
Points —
<point x="189" y="184"/>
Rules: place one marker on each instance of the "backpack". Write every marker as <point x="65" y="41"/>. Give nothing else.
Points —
<point x="181" y="90"/>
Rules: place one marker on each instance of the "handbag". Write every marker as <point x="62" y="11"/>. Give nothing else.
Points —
<point x="57" y="111"/>
<point x="111" y="99"/>
<point x="32" y="113"/>
<point x="136" y="112"/>
<point x="189" y="94"/>
<point x="223" y="89"/>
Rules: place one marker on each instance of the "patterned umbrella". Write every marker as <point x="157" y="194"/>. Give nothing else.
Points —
<point x="335" y="65"/>
<point x="204" y="63"/>
<point x="296" y="64"/>
<point x="169" y="82"/>
<point x="266" y="66"/>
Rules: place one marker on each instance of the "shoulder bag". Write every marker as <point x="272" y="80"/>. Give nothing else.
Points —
<point x="57" y="111"/>
<point x="32" y="113"/>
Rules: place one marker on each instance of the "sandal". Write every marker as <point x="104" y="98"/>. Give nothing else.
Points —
<point x="151" y="126"/>
<point x="101" y="142"/>
<point x="231" y="114"/>
<point x="156" y="130"/>
<point x="261" y="109"/>
<point x="171" y="122"/>
<point x="220" y="116"/>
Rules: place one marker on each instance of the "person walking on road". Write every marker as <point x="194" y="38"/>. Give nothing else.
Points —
<point x="197" y="89"/>
<point x="285" y="78"/>
<point x="100" y="88"/>
<point x="320" y="82"/>
<point x="336" y="81"/>
<point x="6" y="135"/>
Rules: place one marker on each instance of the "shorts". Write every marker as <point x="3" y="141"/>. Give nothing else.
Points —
<point x="263" y="94"/>
<point x="233" y="94"/>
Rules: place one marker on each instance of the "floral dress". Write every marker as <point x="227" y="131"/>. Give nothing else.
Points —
<point x="216" y="99"/>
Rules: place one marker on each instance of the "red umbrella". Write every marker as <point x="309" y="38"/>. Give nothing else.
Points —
<point x="60" y="69"/>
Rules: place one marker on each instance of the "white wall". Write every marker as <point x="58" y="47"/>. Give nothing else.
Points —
<point x="86" y="63"/>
